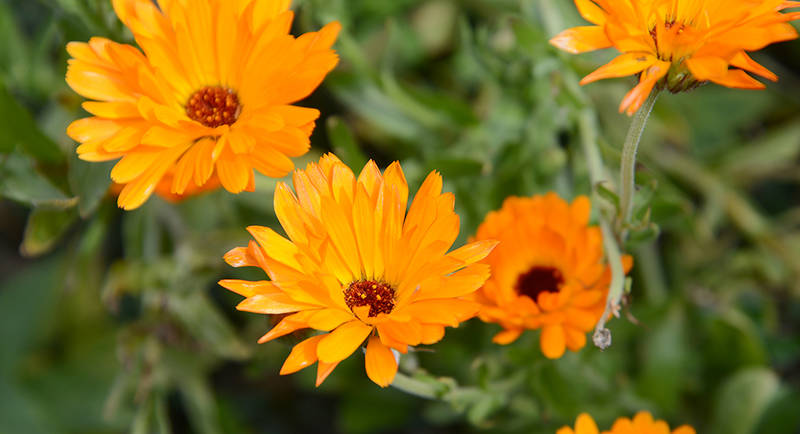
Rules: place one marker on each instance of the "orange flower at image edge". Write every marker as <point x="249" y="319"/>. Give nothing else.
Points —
<point x="357" y="268"/>
<point x="207" y="99"/>
<point x="679" y="44"/>
<point x="548" y="271"/>
<point x="642" y="423"/>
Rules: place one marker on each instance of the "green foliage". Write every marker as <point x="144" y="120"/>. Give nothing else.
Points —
<point x="117" y="325"/>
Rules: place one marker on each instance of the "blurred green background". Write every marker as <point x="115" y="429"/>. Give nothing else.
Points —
<point x="112" y="322"/>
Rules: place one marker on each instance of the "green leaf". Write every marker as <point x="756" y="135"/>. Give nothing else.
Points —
<point x="664" y="359"/>
<point x="742" y="401"/>
<point x="20" y="181"/>
<point x="344" y="144"/>
<point x="208" y="325"/>
<point x="89" y="181"/>
<point x="45" y="228"/>
<point x="20" y="129"/>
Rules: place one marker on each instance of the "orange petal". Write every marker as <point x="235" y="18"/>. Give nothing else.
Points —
<point x="553" y="341"/>
<point x="635" y="98"/>
<point x="288" y="325"/>
<point x="621" y="66"/>
<point x="591" y="12"/>
<point x="340" y="343"/>
<point x="685" y="429"/>
<point x="707" y="68"/>
<point x="273" y="303"/>
<point x="581" y="39"/>
<point x="585" y="425"/>
<point x="302" y="355"/>
<point x="240" y="257"/>
<point x="742" y="60"/>
<point x="249" y="288"/>
<point x="739" y="79"/>
<point x="432" y="333"/>
<point x="506" y="337"/>
<point x="380" y="363"/>
<point x="324" y="369"/>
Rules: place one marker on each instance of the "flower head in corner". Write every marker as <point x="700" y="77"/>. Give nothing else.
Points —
<point x="642" y="423"/>
<point x="359" y="269"/>
<point x="548" y="271"/>
<point x="679" y="44"/>
<point x="206" y="100"/>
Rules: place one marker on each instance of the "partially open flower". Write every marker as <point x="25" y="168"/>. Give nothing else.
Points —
<point x="679" y="44"/>
<point x="207" y="99"/>
<point x="359" y="269"/>
<point x="548" y="271"/>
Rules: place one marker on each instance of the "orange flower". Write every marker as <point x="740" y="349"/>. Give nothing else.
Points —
<point x="357" y="268"/>
<point x="547" y="272"/>
<point x="678" y="44"/>
<point x="642" y="423"/>
<point x="207" y="100"/>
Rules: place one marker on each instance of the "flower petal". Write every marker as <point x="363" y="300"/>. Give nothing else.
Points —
<point x="340" y="343"/>
<point x="553" y="341"/>
<point x="621" y="66"/>
<point x="303" y="355"/>
<point x="380" y="363"/>
<point x="581" y="39"/>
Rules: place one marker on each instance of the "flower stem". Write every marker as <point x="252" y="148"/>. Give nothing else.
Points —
<point x="602" y="336"/>
<point x="415" y="387"/>
<point x="628" y="165"/>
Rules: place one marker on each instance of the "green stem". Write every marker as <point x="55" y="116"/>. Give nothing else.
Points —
<point x="628" y="165"/>
<point x="602" y="336"/>
<point x="415" y="387"/>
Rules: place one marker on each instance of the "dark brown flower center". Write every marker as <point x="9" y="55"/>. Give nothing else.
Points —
<point x="213" y="106"/>
<point x="538" y="280"/>
<point x="377" y="295"/>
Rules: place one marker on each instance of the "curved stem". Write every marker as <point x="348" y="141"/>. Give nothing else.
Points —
<point x="628" y="165"/>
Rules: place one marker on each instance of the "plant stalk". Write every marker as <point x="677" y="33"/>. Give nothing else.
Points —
<point x="627" y="168"/>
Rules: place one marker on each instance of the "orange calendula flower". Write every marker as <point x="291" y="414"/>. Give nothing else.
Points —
<point x="678" y="44"/>
<point x="206" y="100"/>
<point x="642" y="423"/>
<point x="356" y="267"/>
<point x="547" y="272"/>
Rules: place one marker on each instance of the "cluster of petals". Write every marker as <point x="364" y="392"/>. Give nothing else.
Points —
<point x="548" y="272"/>
<point x="205" y="100"/>
<point x="358" y="268"/>
<point x="678" y="44"/>
<point x="642" y="423"/>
